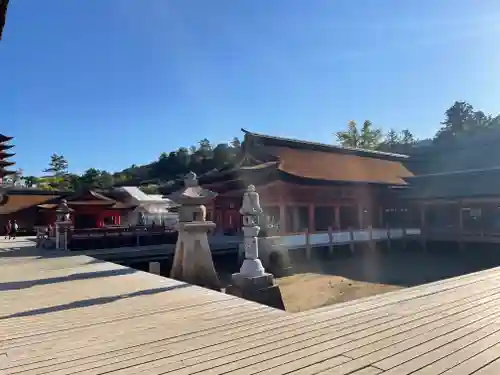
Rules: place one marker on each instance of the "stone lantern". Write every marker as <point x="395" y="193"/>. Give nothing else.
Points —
<point x="252" y="282"/>
<point x="251" y="211"/>
<point x="63" y="224"/>
<point x="193" y="259"/>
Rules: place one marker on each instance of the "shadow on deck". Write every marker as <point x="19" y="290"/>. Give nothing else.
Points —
<point x="93" y="301"/>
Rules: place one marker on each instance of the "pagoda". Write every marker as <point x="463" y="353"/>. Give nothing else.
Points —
<point x="4" y="155"/>
<point x="3" y="14"/>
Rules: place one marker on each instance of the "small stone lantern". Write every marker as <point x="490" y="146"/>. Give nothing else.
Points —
<point x="63" y="223"/>
<point x="193" y="259"/>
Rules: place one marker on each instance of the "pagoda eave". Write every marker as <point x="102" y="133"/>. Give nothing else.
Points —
<point x="4" y="146"/>
<point x="3" y="14"/>
<point x="4" y="173"/>
<point x="4" y="138"/>
<point x="6" y="155"/>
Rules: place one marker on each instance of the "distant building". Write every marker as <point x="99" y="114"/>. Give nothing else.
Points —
<point x="151" y="208"/>
<point x="457" y="188"/>
<point x="35" y="207"/>
<point x="89" y="208"/>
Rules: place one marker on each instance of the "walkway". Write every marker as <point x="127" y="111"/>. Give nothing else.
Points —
<point x="77" y="315"/>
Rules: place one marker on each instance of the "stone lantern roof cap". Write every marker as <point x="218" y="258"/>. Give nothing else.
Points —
<point x="251" y="202"/>
<point x="192" y="193"/>
<point x="63" y="207"/>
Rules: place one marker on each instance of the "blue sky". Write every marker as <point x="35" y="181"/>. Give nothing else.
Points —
<point x="110" y="83"/>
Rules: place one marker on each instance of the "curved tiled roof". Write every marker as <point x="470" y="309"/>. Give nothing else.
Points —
<point x="327" y="163"/>
<point x="89" y="195"/>
<point x="340" y="167"/>
<point x="266" y="158"/>
<point x="16" y="203"/>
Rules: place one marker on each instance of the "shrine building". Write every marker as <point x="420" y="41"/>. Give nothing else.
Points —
<point x="309" y="186"/>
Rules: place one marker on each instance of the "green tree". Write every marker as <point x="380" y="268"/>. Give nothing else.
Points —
<point x="407" y="138"/>
<point x="95" y="178"/>
<point x="121" y="178"/>
<point x="58" y="173"/>
<point x="53" y="183"/>
<point x="461" y="119"/>
<point x="367" y="137"/>
<point x="350" y="137"/>
<point x="150" y="189"/>
<point x="370" y="138"/>
<point x="392" y="138"/>
<point x="205" y="146"/>
<point x="391" y="141"/>
<point x="58" y="166"/>
<point x="398" y="142"/>
<point x="74" y="181"/>
<point x="172" y="165"/>
<point x="106" y="180"/>
<point x="30" y="181"/>
<point x="222" y="155"/>
<point x="183" y="157"/>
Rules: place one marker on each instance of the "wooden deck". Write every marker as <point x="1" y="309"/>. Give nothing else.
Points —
<point x="77" y="315"/>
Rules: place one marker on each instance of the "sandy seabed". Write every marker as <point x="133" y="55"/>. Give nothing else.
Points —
<point x="308" y="291"/>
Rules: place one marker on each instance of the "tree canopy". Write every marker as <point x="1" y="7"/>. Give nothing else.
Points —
<point x="369" y="138"/>
<point x="201" y="159"/>
<point x="462" y="120"/>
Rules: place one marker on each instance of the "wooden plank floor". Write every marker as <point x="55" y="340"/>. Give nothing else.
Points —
<point x="77" y="315"/>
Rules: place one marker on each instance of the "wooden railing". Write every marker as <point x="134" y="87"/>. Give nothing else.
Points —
<point x="111" y="237"/>
<point x="336" y="237"/>
<point x="468" y="235"/>
<point x="114" y="231"/>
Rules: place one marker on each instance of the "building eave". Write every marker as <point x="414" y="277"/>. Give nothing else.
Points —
<point x="296" y="143"/>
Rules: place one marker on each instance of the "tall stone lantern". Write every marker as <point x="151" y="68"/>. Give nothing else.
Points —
<point x="193" y="259"/>
<point x="253" y="282"/>
<point x="63" y="224"/>
<point x="251" y="211"/>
